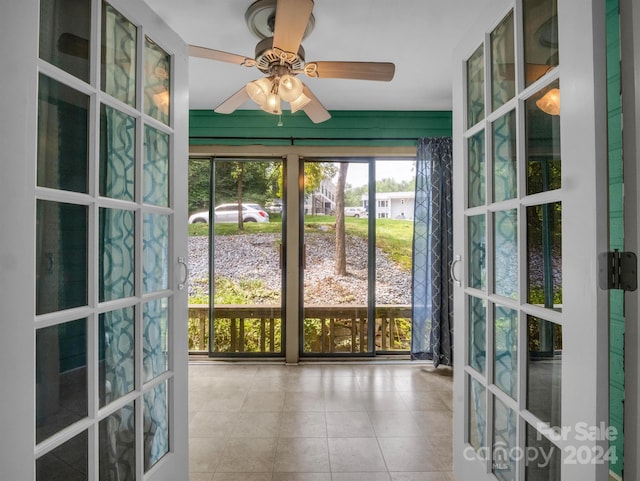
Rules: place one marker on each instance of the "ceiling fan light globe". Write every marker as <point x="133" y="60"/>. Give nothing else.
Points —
<point x="299" y="103"/>
<point x="259" y="90"/>
<point x="272" y="105"/>
<point x="290" y="88"/>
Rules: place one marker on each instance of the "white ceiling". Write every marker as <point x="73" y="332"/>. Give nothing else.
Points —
<point x="419" y="36"/>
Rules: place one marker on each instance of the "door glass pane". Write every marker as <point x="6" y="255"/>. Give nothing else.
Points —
<point x="61" y="377"/>
<point x="395" y="185"/>
<point x="547" y="463"/>
<point x="155" y="239"/>
<point x="505" y="232"/>
<point x="544" y="370"/>
<point x="476" y="172"/>
<point x="247" y="299"/>
<point x="477" y="252"/>
<point x="544" y="255"/>
<point x="116" y="256"/>
<point x="118" y="445"/>
<point x="156" y="167"/>
<point x="61" y="256"/>
<point x="502" y="63"/>
<point x="540" y="19"/>
<point x="155" y="320"/>
<point x="156" y="424"/>
<point x="505" y="421"/>
<point x="65" y="27"/>
<point x="69" y="461"/>
<point x="542" y="112"/>
<point x="199" y="260"/>
<point x="505" y="170"/>
<point x="475" y="87"/>
<point x="119" y="39"/>
<point x="336" y="286"/>
<point x="63" y="127"/>
<point x="157" y="81"/>
<point x="116" y="355"/>
<point x="117" y="154"/>
<point x="505" y="344"/>
<point x="477" y="410"/>
<point x="477" y="333"/>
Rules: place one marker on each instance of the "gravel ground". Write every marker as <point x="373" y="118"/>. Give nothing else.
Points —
<point x="255" y="257"/>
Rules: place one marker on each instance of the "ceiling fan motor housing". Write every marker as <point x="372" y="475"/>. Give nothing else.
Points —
<point x="267" y="57"/>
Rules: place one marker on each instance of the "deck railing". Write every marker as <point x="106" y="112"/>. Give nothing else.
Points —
<point x="327" y="328"/>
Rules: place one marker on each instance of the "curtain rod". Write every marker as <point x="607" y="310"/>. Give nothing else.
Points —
<point x="294" y="139"/>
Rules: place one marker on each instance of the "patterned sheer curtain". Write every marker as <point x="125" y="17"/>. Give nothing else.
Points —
<point x="432" y="311"/>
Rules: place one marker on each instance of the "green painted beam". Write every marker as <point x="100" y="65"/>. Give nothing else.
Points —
<point x="353" y="128"/>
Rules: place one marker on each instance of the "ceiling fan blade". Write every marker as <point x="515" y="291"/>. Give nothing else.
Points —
<point x="211" y="54"/>
<point x="382" y="71"/>
<point x="232" y="103"/>
<point x="292" y="17"/>
<point x="314" y="109"/>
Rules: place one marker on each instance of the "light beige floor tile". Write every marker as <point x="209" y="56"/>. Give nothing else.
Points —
<point x="349" y="425"/>
<point x="197" y="400"/>
<point x="427" y="401"/>
<point x="301" y="477"/>
<point x="392" y="424"/>
<point x="269" y="384"/>
<point x="303" y="424"/>
<point x="304" y="401"/>
<point x="200" y="476"/>
<point x="211" y="424"/>
<point x="248" y="455"/>
<point x="340" y="383"/>
<point x="263" y="401"/>
<point x="256" y="425"/>
<point x="422" y="477"/>
<point x="384" y="401"/>
<point x="205" y="454"/>
<point x="302" y="455"/>
<point x="414" y="455"/>
<point x="352" y="455"/>
<point x="299" y="423"/>
<point x="223" y="401"/>
<point x="360" y="477"/>
<point x="242" y="477"/>
<point x="438" y="423"/>
<point x="305" y="384"/>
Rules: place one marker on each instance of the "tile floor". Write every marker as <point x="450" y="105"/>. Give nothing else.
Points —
<point x="320" y="422"/>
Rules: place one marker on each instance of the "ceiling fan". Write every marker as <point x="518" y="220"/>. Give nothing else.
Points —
<point x="282" y="25"/>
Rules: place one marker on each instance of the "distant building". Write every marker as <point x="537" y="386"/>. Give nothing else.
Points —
<point x="392" y="205"/>
<point x="323" y="200"/>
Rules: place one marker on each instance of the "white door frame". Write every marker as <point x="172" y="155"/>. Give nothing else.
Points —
<point x="630" y="66"/>
<point x="585" y="377"/>
<point x="19" y="45"/>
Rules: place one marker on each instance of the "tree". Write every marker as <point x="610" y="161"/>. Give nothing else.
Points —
<point x="341" y="254"/>
<point x="240" y="181"/>
<point x="199" y="179"/>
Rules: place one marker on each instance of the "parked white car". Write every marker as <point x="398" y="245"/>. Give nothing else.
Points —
<point x="228" y="213"/>
<point x="355" y="212"/>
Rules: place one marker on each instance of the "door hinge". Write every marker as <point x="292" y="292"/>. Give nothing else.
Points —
<point x="619" y="270"/>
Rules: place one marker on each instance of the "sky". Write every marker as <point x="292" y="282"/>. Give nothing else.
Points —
<point x="357" y="174"/>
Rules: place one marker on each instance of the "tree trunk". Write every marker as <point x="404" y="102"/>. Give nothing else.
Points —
<point x="341" y="254"/>
<point x="240" y="211"/>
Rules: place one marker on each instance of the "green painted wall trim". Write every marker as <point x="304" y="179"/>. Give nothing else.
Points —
<point x="346" y="127"/>
<point x="616" y="232"/>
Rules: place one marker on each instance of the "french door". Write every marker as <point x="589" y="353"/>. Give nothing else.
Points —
<point x="95" y="345"/>
<point x="531" y="381"/>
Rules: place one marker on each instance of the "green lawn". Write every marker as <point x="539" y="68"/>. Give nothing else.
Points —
<point x="394" y="237"/>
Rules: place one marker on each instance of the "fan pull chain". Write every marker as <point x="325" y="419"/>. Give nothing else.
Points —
<point x="280" y="124"/>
